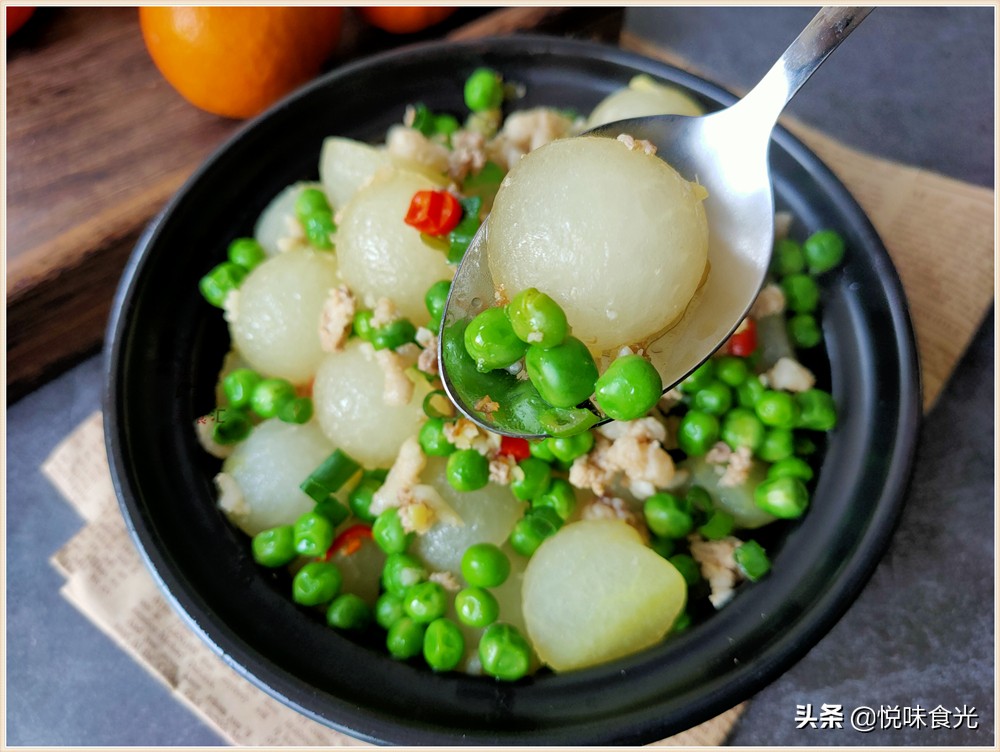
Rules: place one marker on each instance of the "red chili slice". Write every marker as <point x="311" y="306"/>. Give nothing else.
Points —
<point x="515" y="448"/>
<point x="744" y="339"/>
<point x="349" y="541"/>
<point x="434" y="213"/>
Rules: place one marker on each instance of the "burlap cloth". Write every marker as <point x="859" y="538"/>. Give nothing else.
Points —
<point x="939" y="233"/>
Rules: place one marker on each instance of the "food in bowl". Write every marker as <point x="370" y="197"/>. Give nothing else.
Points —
<point x="344" y="464"/>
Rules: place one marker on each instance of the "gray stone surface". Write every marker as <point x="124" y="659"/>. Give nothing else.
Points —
<point x="912" y="84"/>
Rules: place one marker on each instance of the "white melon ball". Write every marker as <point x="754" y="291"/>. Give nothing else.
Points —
<point x="643" y="96"/>
<point x="277" y="221"/>
<point x="347" y="396"/>
<point x="345" y="165"/>
<point x="361" y="570"/>
<point x="382" y="256"/>
<point x="594" y="592"/>
<point x="268" y="467"/>
<point x="616" y="236"/>
<point x="277" y="324"/>
<point x="488" y="514"/>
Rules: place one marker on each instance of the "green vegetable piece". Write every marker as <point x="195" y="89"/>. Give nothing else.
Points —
<point x="791" y="467"/>
<point x="786" y="497"/>
<point x="269" y="395"/>
<point x="568" y="448"/>
<point x="804" y="331"/>
<point x="531" y="530"/>
<point x="445" y="125"/>
<point x="333" y="473"/>
<point x="423" y="119"/>
<point x="788" y="258"/>
<point x="318" y="229"/>
<point x="238" y="386"/>
<point x="388" y="532"/>
<point x="405" y="639"/>
<point x="715" y="398"/>
<point x="537" y="319"/>
<point x="817" y="410"/>
<point x="462" y="235"/>
<point x="666" y="517"/>
<point x="777" y="409"/>
<point x="698" y="498"/>
<point x="443" y="645"/>
<point x="476" y="607"/>
<point x="400" y="572"/>
<point x="348" y="611"/>
<point x="697" y="432"/>
<point x="274" y="547"/>
<point x="749" y="392"/>
<point x="663" y="546"/>
<point x="629" y="388"/>
<point x="805" y="446"/>
<point x="563" y="422"/>
<point x="362" y="325"/>
<point x="560" y="496"/>
<point x="824" y="250"/>
<point x="311" y="201"/>
<point x="541" y="449"/>
<point x="298" y="410"/>
<point x="699" y="378"/>
<point x="360" y="498"/>
<point x="490" y="176"/>
<point x="425" y="602"/>
<point x="801" y="293"/>
<point x="504" y="653"/>
<point x="316" y="583"/>
<point x="778" y="444"/>
<point x="231" y="426"/>
<point x="246" y="252"/>
<point x="681" y="623"/>
<point x="467" y="470"/>
<point x="731" y="370"/>
<point x="220" y="281"/>
<point x="485" y="565"/>
<point x="491" y="342"/>
<point x="313" y="533"/>
<point x="531" y="478"/>
<point x="718" y="526"/>
<point x="333" y="510"/>
<point x="388" y="610"/>
<point x="393" y="335"/>
<point x="742" y="427"/>
<point x="433" y="440"/>
<point x="483" y="90"/>
<point x="688" y="568"/>
<point x="565" y="374"/>
<point x="437" y="298"/>
<point x="752" y="560"/>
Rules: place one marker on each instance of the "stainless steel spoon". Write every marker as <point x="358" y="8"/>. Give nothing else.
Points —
<point x="725" y="151"/>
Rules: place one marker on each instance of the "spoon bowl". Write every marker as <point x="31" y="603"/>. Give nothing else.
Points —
<point x="727" y="153"/>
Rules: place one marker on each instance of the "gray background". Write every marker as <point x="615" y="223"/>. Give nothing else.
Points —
<point x="912" y="84"/>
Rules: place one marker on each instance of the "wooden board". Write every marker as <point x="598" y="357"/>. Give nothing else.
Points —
<point x="97" y="142"/>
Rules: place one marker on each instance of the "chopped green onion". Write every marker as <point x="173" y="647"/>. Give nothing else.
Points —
<point x="298" y="410"/>
<point x="333" y="510"/>
<point x="752" y="560"/>
<point x="461" y="236"/>
<point x="566" y="421"/>
<point x="326" y="479"/>
<point x="430" y="410"/>
<point x="231" y="426"/>
<point x="719" y="525"/>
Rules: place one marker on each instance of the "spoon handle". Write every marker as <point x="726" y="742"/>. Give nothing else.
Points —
<point x="828" y="28"/>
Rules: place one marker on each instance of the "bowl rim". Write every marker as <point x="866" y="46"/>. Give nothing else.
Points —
<point x="652" y="721"/>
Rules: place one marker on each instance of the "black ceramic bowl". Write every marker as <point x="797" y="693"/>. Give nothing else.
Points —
<point x="164" y="351"/>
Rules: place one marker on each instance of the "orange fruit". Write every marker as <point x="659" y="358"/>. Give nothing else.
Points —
<point x="404" y="20"/>
<point x="236" y="61"/>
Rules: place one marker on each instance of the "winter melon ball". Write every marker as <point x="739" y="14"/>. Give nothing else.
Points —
<point x="616" y="236"/>
<point x="382" y="256"/>
<point x="268" y="467"/>
<point x="594" y="592"/>
<point x="276" y="328"/>
<point x="488" y="514"/>
<point x="348" y="399"/>
<point x="643" y="96"/>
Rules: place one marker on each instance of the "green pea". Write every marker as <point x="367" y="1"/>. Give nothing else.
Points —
<point x="491" y="342"/>
<point x="274" y="547"/>
<point x="777" y="409"/>
<point x="436" y="298"/>
<point x="444" y="645"/>
<point x="663" y="546"/>
<point x="537" y="319"/>
<point x="483" y="90"/>
<point x="362" y="325"/>
<point x="560" y="496"/>
<point x="778" y="444"/>
<point x="476" y="607"/>
<point x="405" y="639"/>
<point x="568" y="448"/>
<point x="749" y="391"/>
<point x="718" y="525"/>
<point x="318" y="228"/>
<point x="817" y="410"/>
<point x="752" y="560"/>
<point x="666" y="517"/>
<point x="388" y="532"/>
<point x="360" y="498"/>
<point x="311" y="201"/>
<point x="786" y="497"/>
<point x="445" y="125"/>
<point x="220" y="281"/>
<point x="348" y="611"/>
<point x="788" y="258"/>
<point x="803" y="331"/>
<point x="425" y="602"/>
<point x="485" y="565"/>
<point x="504" y="653"/>
<point x="530" y="479"/>
<point x="715" y="398"/>
<point x="433" y="440"/>
<point x="541" y="449"/>
<point x="467" y="470"/>
<point x="298" y="410"/>
<point x="629" y="388"/>
<point x="731" y="370"/>
<point x="699" y="378"/>
<point x="393" y="335"/>
<point x="698" y="498"/>
<point x="231" y="426"/>
<point x="742" y="427"/>
<point x="791" y="467"/>
<point x="400" y="572"/>
<point x="313" y="534"/>
<point x="565" y="374"/>
<point x="697" y="432"/>
<point x="316" y="583"/>
<point x="801" y="293"/>
<point x="269" y="395"/>
<point x="388" y="610"/>
<point x="238" y="386"/>
<point x="824" y="251"/>
<point x="688" y="568"/>
<point x="532" y="529"/>
<point x="246" y="252"/>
